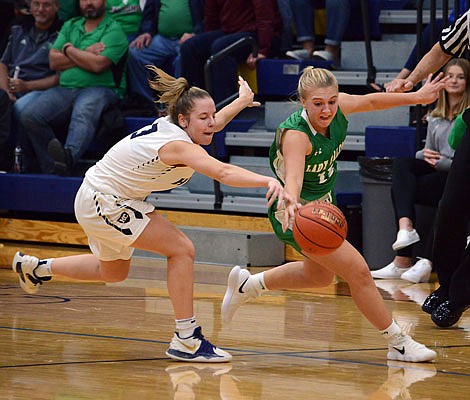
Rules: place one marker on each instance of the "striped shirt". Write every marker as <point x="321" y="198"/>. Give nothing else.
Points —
<point x="455" y="39"/>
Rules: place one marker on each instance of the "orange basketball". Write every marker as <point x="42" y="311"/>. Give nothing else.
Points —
<point x="319" y="228"/>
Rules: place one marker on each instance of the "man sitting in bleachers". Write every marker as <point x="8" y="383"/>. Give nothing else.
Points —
<point x="89" y="53"/>
<point x="25" y="71"/>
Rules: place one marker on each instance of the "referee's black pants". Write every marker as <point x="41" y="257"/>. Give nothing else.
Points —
<point x="451" y="259"/>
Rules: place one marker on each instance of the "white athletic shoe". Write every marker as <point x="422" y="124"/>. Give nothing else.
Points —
<point x="390" y="271"/>
<point x="405" y="238"/>
<point x="196" y="349"/>
<point x="403" y="348"/>
<point x="418" y="273"/>
<point x="25" y="266"/>
<point x="236" y="293"/>
<point x="300" y="55"/>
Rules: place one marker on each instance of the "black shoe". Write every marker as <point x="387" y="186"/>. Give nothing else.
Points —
<point x="63" y="161"/>
<point x="447" y="314"/>
<point x="434" y="300"/>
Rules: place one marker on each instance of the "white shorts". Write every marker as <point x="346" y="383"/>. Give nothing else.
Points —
<point x="111" y="223"/>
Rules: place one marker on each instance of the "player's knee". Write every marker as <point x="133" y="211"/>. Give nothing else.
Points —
<point x="183" y="247"/>
<point x="362" y="274"/>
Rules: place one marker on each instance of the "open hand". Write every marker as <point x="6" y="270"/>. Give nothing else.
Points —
<point x="429" y="92"/>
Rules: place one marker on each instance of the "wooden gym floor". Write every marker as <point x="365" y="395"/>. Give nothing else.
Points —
<point x="94" y="341"/>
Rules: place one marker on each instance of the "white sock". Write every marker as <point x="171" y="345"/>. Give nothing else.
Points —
<point x="256" y="282"/>
<point x="185" y="327"/>
<point x="44" y="268"/>
<point x="391" y="331"/>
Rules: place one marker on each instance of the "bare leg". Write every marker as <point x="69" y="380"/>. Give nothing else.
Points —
<point x="161" y="236"/>
<point x="402" y="262"/>
<point x="298" y="275"/>
<point x="345" y="262"/>
<point x="405" y="223"/>
<point x="87" y="267"/>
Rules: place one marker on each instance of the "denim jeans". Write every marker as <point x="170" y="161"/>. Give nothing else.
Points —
<point x="161" y="52"/>
<point x="196" y="51"/>
<point x="55" y="108"/>
<point x="337" y="19"/>
<point x="338" y="13"/>
<point x="286" y="15"/>
<point x="302" y="13"/>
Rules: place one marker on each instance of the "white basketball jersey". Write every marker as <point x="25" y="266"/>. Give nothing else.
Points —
<point x="132" y="168"/>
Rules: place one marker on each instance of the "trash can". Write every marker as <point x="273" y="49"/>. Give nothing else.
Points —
<point x="379" y="228"/>
<point x="378" y="218"/>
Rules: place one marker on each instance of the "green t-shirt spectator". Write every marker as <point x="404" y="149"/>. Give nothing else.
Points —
<point x="174" y="20"/>
<point x="127" y="13"/>
<point x="111" y="34"/>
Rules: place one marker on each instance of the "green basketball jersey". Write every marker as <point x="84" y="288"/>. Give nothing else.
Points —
<point x="320" y="166"/>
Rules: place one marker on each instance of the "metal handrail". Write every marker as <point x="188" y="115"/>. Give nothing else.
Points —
<point x="371" y="70"/>
<point x="248" y="40"/>
<point x="243" y="42"/>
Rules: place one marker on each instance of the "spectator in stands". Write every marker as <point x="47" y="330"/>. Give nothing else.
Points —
<point x="427" y="42"/>
<point x="90" y="55"/>
<point x="421" y="180"/>
<point x="226" y="22"/>
<point x="163" y="29"/>
<point x="304" y="23"/>
<point x="286" y="15"/>
<point x="25" y="71"/>
<point x="338" y="13"/>
<point x="451" y="261"/>
<point x="68" y="9"/>
<point x="303" y="157"/>
<point x="110" y="205"/>
<point x="127" y="13"/>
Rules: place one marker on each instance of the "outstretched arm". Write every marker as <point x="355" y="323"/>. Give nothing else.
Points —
<point x="428" y="93"/>
<point x="431" y="62"/>
<point x="245" y="99"/>
<point x="195" y="157"/>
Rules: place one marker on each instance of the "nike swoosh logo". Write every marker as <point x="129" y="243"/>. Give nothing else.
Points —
<point x="240" y="289"/>
<point x="192" y="349"/>
<point x="401" y="351"/>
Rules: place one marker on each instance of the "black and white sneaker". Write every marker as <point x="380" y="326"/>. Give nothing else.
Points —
<point x="402" y="347"/>
<point x="25" y="266"/>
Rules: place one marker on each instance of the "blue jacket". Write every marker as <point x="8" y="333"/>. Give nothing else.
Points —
<point x="151" y="12"/>
<point x="29" y="52"/>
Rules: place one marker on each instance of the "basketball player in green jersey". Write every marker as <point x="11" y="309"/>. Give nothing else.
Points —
<point x="303" y="157"/>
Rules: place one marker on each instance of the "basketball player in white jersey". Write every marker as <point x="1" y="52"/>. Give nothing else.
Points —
<point x="111" y="208"/>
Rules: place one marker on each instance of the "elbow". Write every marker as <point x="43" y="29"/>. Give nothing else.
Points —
<point x="100" y="66"/>
<point x="97" y="69"/>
